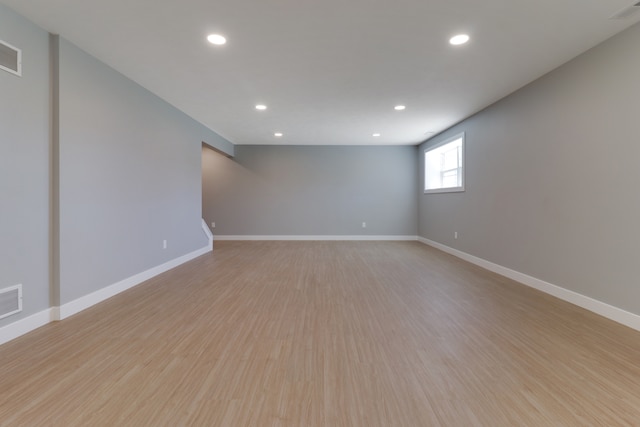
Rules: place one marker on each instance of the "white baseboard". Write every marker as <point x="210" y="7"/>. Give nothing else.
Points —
<point x="23" y="326"/>
<point x="603" y="309"/>
<point x="332" y="238"/>
<point x="28" y="324"/>
<point x="82" y="303"/>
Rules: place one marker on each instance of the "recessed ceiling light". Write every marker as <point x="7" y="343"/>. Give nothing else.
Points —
<point x="375" y="135"/>
<point x="261" y="107"/>
<point x="277" y="134"/>
<point x="216" y="39"/>
<point x="399" y="107"/>
<point x="459" y="39"/>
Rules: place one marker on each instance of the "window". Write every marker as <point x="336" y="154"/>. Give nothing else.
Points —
<point x="444" y="166"/>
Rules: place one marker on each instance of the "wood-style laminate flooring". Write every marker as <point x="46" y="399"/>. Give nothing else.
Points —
<point x="333" y="334"/>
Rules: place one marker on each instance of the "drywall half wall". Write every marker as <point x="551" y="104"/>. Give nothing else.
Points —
<point x="130" y="177"/>
<point x="311" y="191"/>
<point x="24" y="166"/>
<point x="552" y="178"/>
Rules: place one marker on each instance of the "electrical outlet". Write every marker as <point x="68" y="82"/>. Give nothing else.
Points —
<point x="213" y="225"/>
<point x="364" y="225"/>
<point x="455" y="235"/>
<point x="164" y="244"/>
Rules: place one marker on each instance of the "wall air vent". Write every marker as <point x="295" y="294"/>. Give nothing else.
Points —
<point x="10" y="301"/>
<point x="10" y="58"/>
<point x="627" y="11"/>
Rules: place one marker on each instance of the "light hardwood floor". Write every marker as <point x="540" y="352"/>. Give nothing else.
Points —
<point x="328" y="334"/>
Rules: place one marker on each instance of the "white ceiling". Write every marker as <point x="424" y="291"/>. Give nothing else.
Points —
<point x="330" y="71"/>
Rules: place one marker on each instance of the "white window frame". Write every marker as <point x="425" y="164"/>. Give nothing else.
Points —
<point x="455" y="189"/>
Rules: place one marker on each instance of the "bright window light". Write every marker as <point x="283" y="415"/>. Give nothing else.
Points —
<point x="444" y="166"/>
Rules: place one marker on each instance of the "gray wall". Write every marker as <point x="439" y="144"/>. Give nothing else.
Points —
<point x="127" y="177"/>
<point x="311" y="190"/>
<point x="552" y="178"/>
<point x="24" y="166"/>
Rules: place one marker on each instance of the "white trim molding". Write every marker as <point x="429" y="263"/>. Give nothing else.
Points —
<point x="324" y="238"/>
<point x="23" y="326"/>
<point x="603" y="309"/>
<point x="82" y="303"/>
<point x="28" y="324"/>
<point x="208" y="233"/>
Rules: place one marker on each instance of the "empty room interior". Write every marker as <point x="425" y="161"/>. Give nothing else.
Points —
<point x="296" y="213"/>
